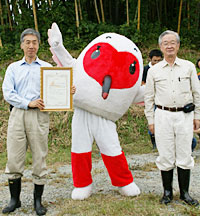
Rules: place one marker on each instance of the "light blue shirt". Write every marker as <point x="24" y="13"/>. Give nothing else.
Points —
<point x="21" y="84"/>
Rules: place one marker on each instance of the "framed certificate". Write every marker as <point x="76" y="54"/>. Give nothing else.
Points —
<point x="56" y="83"/>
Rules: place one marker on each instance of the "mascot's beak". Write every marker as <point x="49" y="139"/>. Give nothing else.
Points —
<point x="106" y="86"/>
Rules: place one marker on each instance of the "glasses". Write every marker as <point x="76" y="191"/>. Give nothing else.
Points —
<point x="170" y="43"/>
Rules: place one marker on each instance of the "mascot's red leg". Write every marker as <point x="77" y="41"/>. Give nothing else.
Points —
<point x="118" y="170"/>
<point x="81" y="169"/>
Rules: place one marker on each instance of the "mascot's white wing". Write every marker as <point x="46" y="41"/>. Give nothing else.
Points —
<point x="60" y="55"/>
<point x="140" y="95"/>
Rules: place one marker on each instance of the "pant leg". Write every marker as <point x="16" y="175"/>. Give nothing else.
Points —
<point x="82" y="140"/>
<point x="82" y="137"/>
<point x="184" y="135"/>
<point x="114" y="159"/>
<point x="16" y="144"/>
<point x="106" y="136"/>
<point x="118" y="169"/>
<point x="37" y="129"/>
<point x="165" y="139"/>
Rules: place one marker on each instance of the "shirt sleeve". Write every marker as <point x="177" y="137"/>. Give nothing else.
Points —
<point x="195" y="85"/>
<point x="149" y="97"/>
<point x="9" y="92"/>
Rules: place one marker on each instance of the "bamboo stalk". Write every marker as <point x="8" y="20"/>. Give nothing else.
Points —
<point x="49" y="3"/>
<point x="77" y="18"/>
<point x="35" y="15"/>
<point x="1" y="45"/>
<point x="127" y="12"/>
<point x="97" y="13"/>
<point x="188" y="13"/>
<point x="179" y="16"/>
<point x="2" y="22"/>
<point x="9" y="15"/>
<point x="138" y="24"/>
<point x="80" y="10"/>
<point x="102" y="11"/>
<point x="1" y="14"/>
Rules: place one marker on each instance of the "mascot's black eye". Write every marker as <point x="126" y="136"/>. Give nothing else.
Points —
<point x="135" y="49"/>
<point x="96" y="53"/>
<point x="132" y="68"/>
<point x="108" y="37"/>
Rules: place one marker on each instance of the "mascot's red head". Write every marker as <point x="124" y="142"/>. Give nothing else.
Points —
<point x="110" y="68"/>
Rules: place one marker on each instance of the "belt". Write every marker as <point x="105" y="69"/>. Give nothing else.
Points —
<point x="172" y="109"/>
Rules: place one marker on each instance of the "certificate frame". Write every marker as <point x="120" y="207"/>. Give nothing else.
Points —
<point x="55" y="88"/>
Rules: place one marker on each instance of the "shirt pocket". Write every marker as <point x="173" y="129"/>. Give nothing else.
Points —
<point x="184" y="84"/>
<point x="161" y="82"/>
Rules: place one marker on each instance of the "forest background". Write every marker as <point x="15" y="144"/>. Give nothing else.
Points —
<point x="80" y="21"/>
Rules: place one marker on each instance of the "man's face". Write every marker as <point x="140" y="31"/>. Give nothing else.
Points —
<point x="30" y="46"/>
<point x="155" y="59"/>
<point x="169" y="45"/>
<point x="198" y="64"/>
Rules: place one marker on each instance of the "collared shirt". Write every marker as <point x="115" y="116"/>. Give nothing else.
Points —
<point x="21" y="84"/>
<point x="172" y="86"/>
<point x="150" y="65"/>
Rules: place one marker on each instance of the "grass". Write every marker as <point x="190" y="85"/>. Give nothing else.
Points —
<point x="134" y="139"/>
<point x="113" y="204"/>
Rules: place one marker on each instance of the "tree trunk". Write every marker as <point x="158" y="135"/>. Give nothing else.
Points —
<point x="102" y="11"/>
<point x="138" y="24"/>
<point x="179" y="16"/>
<point x="77" y="18"/>
<point x="9" y="15"/>
<point x="127" y="12"/>
<point x="80" y="10"/>
<point x="35" y="15"/>
<point x="97" y="13"/>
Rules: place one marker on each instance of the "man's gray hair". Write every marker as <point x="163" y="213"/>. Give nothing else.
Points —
<point x="166" y="33"/>
<point x="29" y="31"/>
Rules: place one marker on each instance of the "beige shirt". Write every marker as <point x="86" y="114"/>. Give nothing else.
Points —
<point x="172" y="86"/>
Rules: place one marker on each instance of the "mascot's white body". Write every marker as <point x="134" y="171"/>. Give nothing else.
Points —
<point x="107" y="76"/>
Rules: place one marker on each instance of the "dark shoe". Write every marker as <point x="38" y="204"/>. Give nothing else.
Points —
<point x="15" y="189"/>
<point x="184" y="181"/>
<point x="167" y="197"/>
<point x="39" y="208"/>
<point x="167" y="178"/>
<point x="188" y="199"/>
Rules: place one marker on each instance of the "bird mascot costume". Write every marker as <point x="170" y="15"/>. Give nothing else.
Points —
<point x="107" y="75"/>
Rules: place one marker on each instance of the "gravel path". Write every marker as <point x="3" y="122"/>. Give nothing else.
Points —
<point x="59" y="184"/>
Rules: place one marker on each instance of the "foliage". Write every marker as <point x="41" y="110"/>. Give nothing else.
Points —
<point x="156" y="16"/>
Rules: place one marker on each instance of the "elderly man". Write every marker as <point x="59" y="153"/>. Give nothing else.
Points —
<point x="27" y="124"/>
<point x="173" y="86"/>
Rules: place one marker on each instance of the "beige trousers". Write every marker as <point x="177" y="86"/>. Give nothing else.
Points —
<point x="173" y="134"/>
<point x="27" y="127"/>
